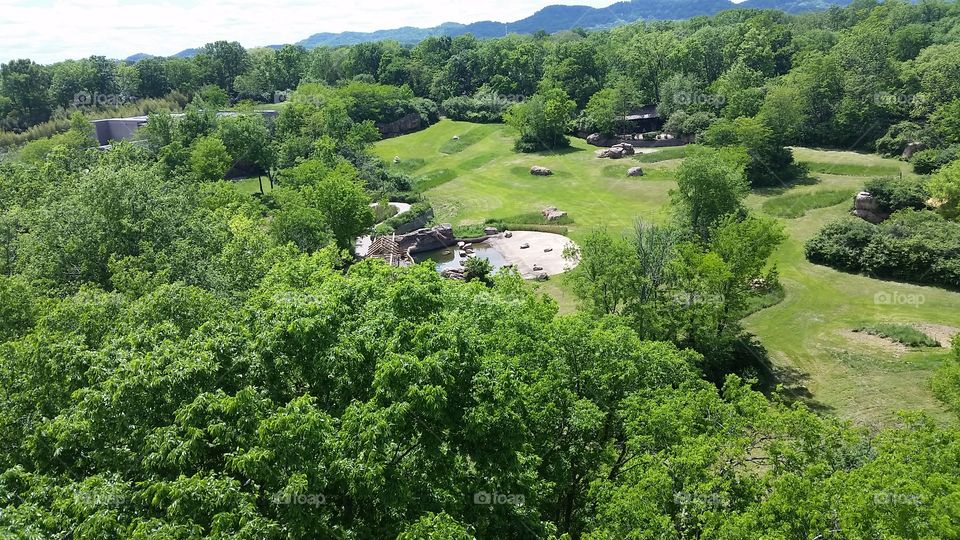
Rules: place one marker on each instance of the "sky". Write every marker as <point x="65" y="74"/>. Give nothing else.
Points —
<point x="51" y="30"/>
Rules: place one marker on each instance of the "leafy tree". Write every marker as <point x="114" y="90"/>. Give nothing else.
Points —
<point x="220" y="62"/>
<point x="24" y="85"/>
<point x="209" y="159"/>
<point x="541" y="121"/>
<point x="710" y="185"/>
<point x="945" y="187"/>
<point x="478" y="268"/>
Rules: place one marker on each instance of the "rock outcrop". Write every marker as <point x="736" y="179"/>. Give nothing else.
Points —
<point x="551" y="213"/>
<point x="616" y="151"/>
<point x="437" y="237"/>
<point x="865" y="207"/>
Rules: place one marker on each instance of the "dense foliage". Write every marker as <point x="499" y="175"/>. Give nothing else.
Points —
<point x="179" y="359"/>
<point x="916" y="246"/>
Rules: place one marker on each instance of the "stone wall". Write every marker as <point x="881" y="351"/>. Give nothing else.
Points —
<point x="407" y="124"/>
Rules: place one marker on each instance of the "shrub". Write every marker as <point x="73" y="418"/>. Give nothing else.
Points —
<point x="929" y="161"/>
<point x="416" y="211"/>
<point x="840" y="244"/>
<point x="914" y="246"/>
<point x="481" y="108"/>
<point x="896" y="193"/>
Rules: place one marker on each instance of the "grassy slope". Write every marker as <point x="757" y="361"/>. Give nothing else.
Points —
<point x="807" y="335"/>
<point x="487" y="179"/>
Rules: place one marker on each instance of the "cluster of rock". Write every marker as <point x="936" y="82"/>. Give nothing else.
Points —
<point x="459" y="274"/>
<point x="537" y="170"/>
<point x="616" y="151"/>
<point x="866" y="207"/>
<point x="551" y="213"/>
<point x="419" y="240"/>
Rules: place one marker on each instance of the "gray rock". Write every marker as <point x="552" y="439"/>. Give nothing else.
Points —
<point x="537" y="170"/>
<point x="635" y="171"/>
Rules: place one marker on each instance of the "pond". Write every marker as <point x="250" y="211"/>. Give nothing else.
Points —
<point x="447" y="258"/>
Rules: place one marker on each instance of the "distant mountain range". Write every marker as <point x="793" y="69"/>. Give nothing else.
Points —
<point x="554" y="19"/>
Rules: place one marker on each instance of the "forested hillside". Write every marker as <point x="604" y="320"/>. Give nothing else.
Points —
<point x="184" y="357"/>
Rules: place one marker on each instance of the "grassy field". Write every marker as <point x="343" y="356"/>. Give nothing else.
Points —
<point x="480" y="177"/>
<point x="809" y="336"/>
<point x="252" y="185"/>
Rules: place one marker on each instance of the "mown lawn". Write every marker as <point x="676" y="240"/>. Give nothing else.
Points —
<point x="480" y="177"/>
<point x="808" y="336"/>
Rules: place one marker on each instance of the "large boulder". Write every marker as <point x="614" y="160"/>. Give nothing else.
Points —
<point x="595" y="139"/>
<point x="437" y="237"/>
<point x="615" y="152"/>
<point x="866" y="207"/>
<point x="626" y="149"/>
<point x="912" y="149"/>
<point x="537" y="170"/>
<point x="635" y="171"/>
<point x="551" y="213"/>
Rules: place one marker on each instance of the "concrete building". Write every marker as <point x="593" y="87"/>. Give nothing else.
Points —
<point x="124" y="129"/>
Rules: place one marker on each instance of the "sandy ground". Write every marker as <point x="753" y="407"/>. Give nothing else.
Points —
<point x="552" y="261"/>
<point x="943" y="334"/>
<point x="363" y="243"/>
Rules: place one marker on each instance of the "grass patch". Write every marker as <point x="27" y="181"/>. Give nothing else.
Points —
<point x="410" y="165"/>
<point x="663" y="154"/>
<point x="250" y="186"/>
<point x="435" y="178"/>
<point x="466" y="140"/>
<point x="901" y="333"/>
<point x="851" y="169"/>
<point x="795" y="205"/>
<point x="476" y="162"/>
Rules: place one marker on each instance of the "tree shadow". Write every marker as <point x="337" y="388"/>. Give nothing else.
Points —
<point x="805" y="179"/>
<point x="559" y="151"/>
<point x="787" y="383"/>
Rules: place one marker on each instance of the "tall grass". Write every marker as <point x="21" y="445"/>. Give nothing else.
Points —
<point x="901" y="333"/>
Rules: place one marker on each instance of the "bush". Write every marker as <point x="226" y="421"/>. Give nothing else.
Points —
<point x="913" y="246"/>
<point x="481" y="108"/>
<point x="416" y="211"/>
<point x="929" y="161"/>
<point x="840" y="244"/>
<point x="916" y="246"/>
<point x="896" y="193"/>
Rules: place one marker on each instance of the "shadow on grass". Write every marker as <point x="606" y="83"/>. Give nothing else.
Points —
<point x="805" y="179"/>
<point x="785" y="382"/>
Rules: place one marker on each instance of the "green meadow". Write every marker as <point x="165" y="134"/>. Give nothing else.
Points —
<point x="809" y="336"/>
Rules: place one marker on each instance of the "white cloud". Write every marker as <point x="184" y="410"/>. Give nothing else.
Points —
<point x="51" y="30"/>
